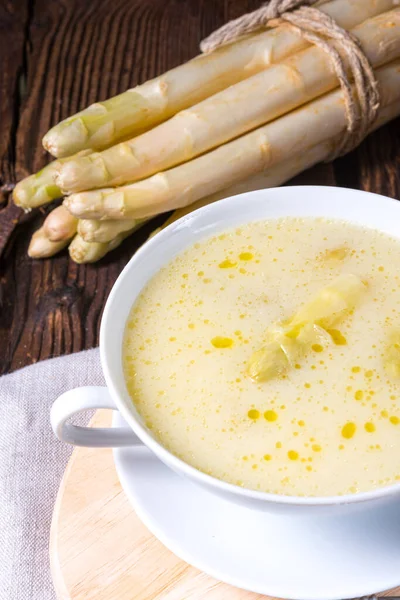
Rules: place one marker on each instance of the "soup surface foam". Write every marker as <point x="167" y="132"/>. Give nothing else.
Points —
<point x="331" y="424"/>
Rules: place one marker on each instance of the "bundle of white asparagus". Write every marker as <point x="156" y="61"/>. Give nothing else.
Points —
<point x="248" y="116"/>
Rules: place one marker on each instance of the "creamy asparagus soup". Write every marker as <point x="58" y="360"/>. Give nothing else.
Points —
<point x="269" y="357"/>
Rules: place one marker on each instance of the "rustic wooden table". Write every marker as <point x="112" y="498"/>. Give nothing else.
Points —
<point x="56" y="58"/>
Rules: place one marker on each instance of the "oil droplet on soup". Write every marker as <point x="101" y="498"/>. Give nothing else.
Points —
<point x="253" y="414"/>
<point x="293" y="455"/>
<point x="246" y="256"/>
<point x="328" y="425"/>
<point x="222" y="342"/>
<point x="317" y="348"/>
<point x="348" y="430"/>
<point x="227" y="264"/>
<point x="270" y="415"/>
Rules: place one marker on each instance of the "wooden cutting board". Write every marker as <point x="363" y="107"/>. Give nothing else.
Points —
<point x="100" y="550"/>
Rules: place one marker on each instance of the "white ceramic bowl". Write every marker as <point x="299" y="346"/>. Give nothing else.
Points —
<point x="369" y="210"/>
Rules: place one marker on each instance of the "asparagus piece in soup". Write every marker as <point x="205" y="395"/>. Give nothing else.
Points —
<point x="309" y="326"/>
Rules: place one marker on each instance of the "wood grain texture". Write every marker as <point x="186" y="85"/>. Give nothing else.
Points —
<point x="58" y="57"/>
<point x="100" y="550"/>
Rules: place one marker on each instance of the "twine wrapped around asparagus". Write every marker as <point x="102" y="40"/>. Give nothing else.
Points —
<point x="250" y="22"/>
<point x="224" y="136"/>
<point x="317" y="28"/>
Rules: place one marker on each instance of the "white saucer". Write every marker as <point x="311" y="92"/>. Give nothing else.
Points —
<point x="301" y="558"/>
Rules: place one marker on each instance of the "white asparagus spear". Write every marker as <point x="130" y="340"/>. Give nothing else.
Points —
<point x="88" y="252"/>
<point x="41" y="247"/>
<point x="229" y="114"/>
<point x="57" y="231"/>
<point x="102" y="232"/>
<point x="92" y="230"/>
<point x="37" y="189"/>
<point x="60" y="225"/>
<point x="281" y="173"/>
<point x="252" y="153"/>
<point x="40" y="188"/>
<point x="271" y="178"/>
<point x="136" y="110"/>
<point x="92" y="252"/>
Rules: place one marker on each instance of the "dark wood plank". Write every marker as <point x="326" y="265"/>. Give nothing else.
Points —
<point x="14" y="23"/>
<point x="375" y="165"/>
<point x="71" y="54"/>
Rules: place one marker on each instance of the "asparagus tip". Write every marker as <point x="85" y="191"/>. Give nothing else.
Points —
<point x="20" y="196"/>
<point x="60" y="225"/>
<point x="41" y="247"/>
<point x="85" y="252"/>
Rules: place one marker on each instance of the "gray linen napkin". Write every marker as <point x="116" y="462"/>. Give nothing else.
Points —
<point x="32" y="463"/>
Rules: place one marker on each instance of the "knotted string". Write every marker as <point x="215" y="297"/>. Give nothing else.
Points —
<point x="361" y="101"/>
<point x="250" y="22"/>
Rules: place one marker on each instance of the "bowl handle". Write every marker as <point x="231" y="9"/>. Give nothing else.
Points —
<point x="80" y="400"/>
